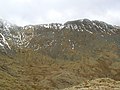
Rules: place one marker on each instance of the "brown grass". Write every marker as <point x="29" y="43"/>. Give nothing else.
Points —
<point x="29" y="70"/>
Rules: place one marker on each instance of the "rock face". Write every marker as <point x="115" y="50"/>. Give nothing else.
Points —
<point x="98" y="84"/>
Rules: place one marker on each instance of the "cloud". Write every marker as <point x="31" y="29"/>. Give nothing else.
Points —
<point x="54" y="15"/>
<point x="24" y="12"/>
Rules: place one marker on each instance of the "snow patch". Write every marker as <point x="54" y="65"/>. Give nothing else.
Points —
<point x="89" y="31"/>
<point x="2" y="40"/>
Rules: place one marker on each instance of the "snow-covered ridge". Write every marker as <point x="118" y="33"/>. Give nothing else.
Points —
<point x="12" y="35"/>
<point x="80" y="25"/>
<point x="91" y="26"/>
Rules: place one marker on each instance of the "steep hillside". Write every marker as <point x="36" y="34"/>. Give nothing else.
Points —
<point x="57" y="56"/>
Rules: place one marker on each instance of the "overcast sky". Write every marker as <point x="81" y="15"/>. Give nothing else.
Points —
<point x="22" y="12"/>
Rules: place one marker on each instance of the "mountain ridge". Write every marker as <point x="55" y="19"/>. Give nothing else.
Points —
<point x="46" y="37"/>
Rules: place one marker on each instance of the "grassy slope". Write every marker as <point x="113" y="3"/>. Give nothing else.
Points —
<point x="29" y="70"/>
<point x="97" y="84"/>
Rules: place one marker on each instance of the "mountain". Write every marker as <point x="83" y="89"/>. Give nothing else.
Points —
<point x="68" y="41"/>
<point x="69" y="37"/>
<point x="57" y="56"/>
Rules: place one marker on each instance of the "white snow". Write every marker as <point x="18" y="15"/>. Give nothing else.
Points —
<point x="75" y="27"/>
<point x="113" y="31"/>
<point x="51" y="42"/>
<point x="27" y="44"/>
<point x="95" y="25"/>
<point x="90" y="26"/>
<point x="1" y="45"/>
<point x="83" y="25"/>
<point x="82" y="30"/>
<point x="61" y="27"/>
<point x="102" y="35"/>
<point x="37" y="48"/>
<point x="100" y="27"/>
<point x="89" y="31"/>
<point x="4" y="41"/>
<point x="46" y="25"/>
<point x="104" y="30"/>
<point x="73" y="46"/>
<point x="106" y="26"/>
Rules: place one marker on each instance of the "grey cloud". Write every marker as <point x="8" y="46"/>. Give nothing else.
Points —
<point x="46" y="11"/>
